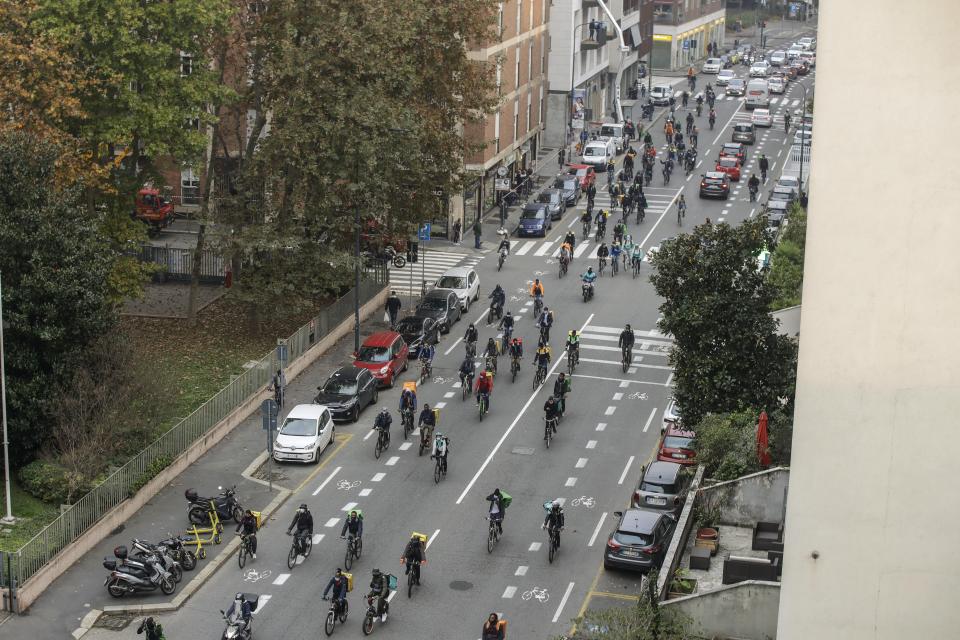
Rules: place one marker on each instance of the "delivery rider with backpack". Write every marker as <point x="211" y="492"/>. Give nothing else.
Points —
<point x="499" y="501"/>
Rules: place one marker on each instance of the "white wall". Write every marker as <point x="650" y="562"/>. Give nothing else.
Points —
<point x="877" y="431"/>
<point x="744" y="610"/>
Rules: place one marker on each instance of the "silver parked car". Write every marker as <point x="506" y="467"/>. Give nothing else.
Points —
<point x="663" y="487"/>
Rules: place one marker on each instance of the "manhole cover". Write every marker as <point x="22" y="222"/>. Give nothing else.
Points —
<point x="114" y="623"/>
<point x="523" y="451"/>
<point x="461" y="585"/>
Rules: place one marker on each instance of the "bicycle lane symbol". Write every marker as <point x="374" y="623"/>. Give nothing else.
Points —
<point x="541" y="594"/>
<point x="255" y="576"/>
<point x="637" y="395"/>
<point x="346" y="485"/>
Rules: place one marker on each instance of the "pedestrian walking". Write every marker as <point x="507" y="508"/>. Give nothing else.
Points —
<point x="393" y="308"/>
<point x="279" y="383"/>
<point x="562" y="156"/>
<point x="477" y="232"/>
<point x="457" y="228"/>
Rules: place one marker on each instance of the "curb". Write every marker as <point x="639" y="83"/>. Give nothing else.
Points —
<point x="253" y="466"/>
<point x="191" y="587"/>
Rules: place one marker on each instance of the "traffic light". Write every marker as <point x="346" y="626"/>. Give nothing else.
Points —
<point x="412" y="252"/>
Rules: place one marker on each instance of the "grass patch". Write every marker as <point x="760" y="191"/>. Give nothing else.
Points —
<point x="32" y="516"/>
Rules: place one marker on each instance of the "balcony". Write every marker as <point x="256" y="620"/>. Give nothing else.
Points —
<point x="596" y="38"/>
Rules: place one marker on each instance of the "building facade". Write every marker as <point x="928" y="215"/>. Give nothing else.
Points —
<point x="682" y="29"/>
<point x="511" y="134"/>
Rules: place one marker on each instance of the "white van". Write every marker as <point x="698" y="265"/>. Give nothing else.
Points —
<point x="660" y="94"/>
<point x="758" y="94"/>
<point x="598" y="152"/>
<point x="614" y="131"/>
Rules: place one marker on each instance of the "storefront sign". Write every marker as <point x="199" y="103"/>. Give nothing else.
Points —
<point x="662" y="37"/>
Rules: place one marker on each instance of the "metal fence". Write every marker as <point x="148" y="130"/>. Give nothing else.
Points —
<point x="20" y="565"/>
<point x="177" y="264"/>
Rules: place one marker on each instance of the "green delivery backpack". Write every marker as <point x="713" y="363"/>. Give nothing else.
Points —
<point x="505" y="499"/>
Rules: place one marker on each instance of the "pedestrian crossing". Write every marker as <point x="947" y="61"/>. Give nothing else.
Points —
<point x="432" y="264"/>
<point x="651" y="350"/>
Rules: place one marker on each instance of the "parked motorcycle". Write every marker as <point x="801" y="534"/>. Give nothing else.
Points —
<point x="144" y="551"/>
<point x="226" y="502"/>
<point x="132" y="576"/>
<point x="185" y="557"/>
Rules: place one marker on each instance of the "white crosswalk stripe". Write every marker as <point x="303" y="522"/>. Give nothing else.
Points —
<point x="651" y="349"/>
<point x="522" y="251"/>
<point x="432" y="265"/>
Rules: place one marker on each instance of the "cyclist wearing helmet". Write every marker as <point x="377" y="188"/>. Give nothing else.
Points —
<point x="380" y="589"/>
<point x="383" y="421"/>
<point x="303" y="521"/>
<point x="554" y="521"/>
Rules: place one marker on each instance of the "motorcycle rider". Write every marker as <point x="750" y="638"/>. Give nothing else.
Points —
<point x="753" y="185"/>
<point x="551" y="410"/>
<point x="248" y="527"/>
<point x="303" y="521"/>
<point x="413" y="556"/>
<point x="380" y="589"/>
<point x="353" y="524"/>
<point x="554" y="520"/>
<point x="561" y="387"/>
<point x="240" y="609"/>
<point x="588" y="278"/>
<point x="152" y="629"/>
<point x="339" y="585"/>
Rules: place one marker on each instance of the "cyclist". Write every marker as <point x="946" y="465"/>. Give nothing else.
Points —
<point x="601" y="221"/>
<point x="682" y="206"/>
<point x="560" y="390"/>
<point x="619" y="230"/>
<point x="490" y="353"/>
<point x="554" y="521"/>
<point x="689" y="122"/>
<point x="499" y="298"/>
<point x="626" y="340"/>
<point x="573" y="344"/>
<point x="426" y="422"/>
<point x="694" y="136"/>
<point x="441" y="450"/>
<point x="541" y="358"/>
<point x="586" y="217"/>
<point x="551" y="411"/>
<point x="248" y="528"/>
<point x="466" y="371"/>
<point x="497" y="510"/>
<point x="545" y="321"/>
<point x="712" y="118"/>
<point x="380" y="589"/>
<point x="636" y="258"/>
<point x="153" y="629"/>
<point x="339" y="585"/>
<point x="506" y="323"/>
<point x="504" y="244"/>
<point x="353" y="524"/>
<point x="566" y="253"/>
<point x="383" y="421"/>
<point x="470" y="338"/>
<point x="408" y="400"/>
<point x="753" y="184"/>
<point x="536" y="289"/>
<point x="413" y="556"/>
<point x="570" y="239"/>
<point x="427" y="351"/>
<point x="764" y="165"/>
<point x="516" y="349"/>
<point x="493" y="628"/>
<point x="786" y="122"/>
<point x="485" y="387"/>
<point x="303" y="521"/>
<point x="684" y="99"/>
<point x="602" y="254"/>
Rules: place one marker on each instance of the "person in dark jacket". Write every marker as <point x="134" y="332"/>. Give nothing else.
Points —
<point x="303" y="521"/>
<point x="393" y="308"/>
<point x="413" y="557"/>
<point x="152" y="629"/>
<point x="339" y="585"/>
<point x="492" y="629"/>
<point x="248" y="527"/>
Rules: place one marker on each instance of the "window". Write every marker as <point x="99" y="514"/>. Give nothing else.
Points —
<point x="192" y="124"/>
<point x="518" y="67"/>
<point x="540" y="115"/>
<point x="186" y="64"/>
<point x="500" y="21"/>
<point x="519" y="14"/>
<point x="529" y="109"/>
<point x="516" y="119"/>
<point x="530" y="62"/>
<point x="496" y="131"/>
<point x="499" y="74"/>
<point x="543" y="56"/>
<point x="189" y="186"/>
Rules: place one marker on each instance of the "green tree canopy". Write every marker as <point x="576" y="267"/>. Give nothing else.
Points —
<point x="786" y="265"/>
<point x="726" y="354"/>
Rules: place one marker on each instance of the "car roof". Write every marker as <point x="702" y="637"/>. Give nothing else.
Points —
<point x="715" y="174"/>
<point x="736" y="145"/>
<point x="550" y="191"/>
<point x="347" y="373"/>
<point x="308" y="411"/>
<point x="639" y="521"/>
<point x="782" y="188"/>
<point x="414" y="317"/>
<point x="761" y="111"/>
<point x="673" y="430"/>
<point x="440" y="293"/>
<point x="534" y="206"/>
<point x="458" y="271"/>
<point x="381" y="339"/>
<point x="662" y="472"/>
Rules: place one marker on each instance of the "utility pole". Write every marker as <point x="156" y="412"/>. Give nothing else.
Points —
<point x="8" y="518"/>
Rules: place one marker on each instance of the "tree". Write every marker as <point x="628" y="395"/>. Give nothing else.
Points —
<point x="55" y="291"/>
<point x="726" y="353"/>
<point x="786" y="264"/>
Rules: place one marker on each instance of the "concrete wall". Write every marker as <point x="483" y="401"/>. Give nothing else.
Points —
<point x="679" y="540"/>
<point x="872" y="510"/>
<point x="746" y="610"/>
<point x="32" y="589"/>
<point x="758" y="497"/>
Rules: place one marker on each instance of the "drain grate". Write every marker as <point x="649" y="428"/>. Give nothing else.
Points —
<point x="461" y="585"/>
<point x="113" y="622"/>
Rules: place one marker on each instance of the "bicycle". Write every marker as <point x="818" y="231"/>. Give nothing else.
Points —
<point x="426" y="371"/>
<point x="426" y="436"/>
<point x="614" y="266"/>
<point x="549" y="427"/>
<point x="537" y="306"/>
<point x="603" y="265"/>
<point x="563" y="266"/>
<point x="413" y="577"/>
<point x="383" y="443"/>
<point x="586" y="229"/>
<point x="439" y="469"/>
<point x="406" y="419"/>
<point x="490" y="364"/>
<point x="246" y="550"/>
<point x="540" y="376"/>
<point x="641" y="214"/>
<point x="503" y="256"/>
<point x="514" y="368"/>
<point x="493" y="533"/>
<point x="466" y="383"/>
<point x="372" y="614"/>
<point x="302" y="546"/>
<point x="554" y="545"/>
<point x="353" y="552"/>
<point x="636" y="267"/>
<point x="471" y="348"/>
<point x="573" y="358"/>
<point x="626" y="358"/>
<point x="545" y="334"/>
<point x="482" y="405"/>
<point x="338" y="611"/>
<point x="601" y="231"/>
<point x="666" y="175"/>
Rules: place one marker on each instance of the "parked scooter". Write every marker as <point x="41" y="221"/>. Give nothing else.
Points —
<point x="185" y="557"/>
<point x="144" y="551"/>
<point x="238" y="617"/>
<point x="226" y="502"/>
<point x="131" y="576"/>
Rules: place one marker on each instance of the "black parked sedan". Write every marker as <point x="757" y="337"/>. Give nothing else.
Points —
<point x="347" y="392"/>
<point x="417" y="331"/>
<point x="640" y="540"/>
<point x="569" y="186"/>
<point x="443" y="306"/>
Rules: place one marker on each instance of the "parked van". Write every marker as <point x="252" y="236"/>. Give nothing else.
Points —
<point x="598" y="152"/>
<point x="615" y="132"/>
<point x="660" y="94"/>
<point x="758" y="94"/>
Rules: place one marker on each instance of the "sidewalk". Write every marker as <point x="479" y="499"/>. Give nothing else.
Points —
<point x="57" y="613"/>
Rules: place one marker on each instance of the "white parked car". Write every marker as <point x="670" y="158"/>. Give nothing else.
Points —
<point x="760" y="69"/>
<point x="671" y="415"/>
<point x="463" y="281"/>
<point x="660" y="94"/>
<point x="808" y="43"/>
<point x="725" y="76"/>
<point x="761" y="118"/>
<point x="712" y="65"/>
<point x="792" y="182"/>
<point x="304" y="434"/>
<point x="777" y="58"/>
<point x="804" y="136"/>
<point x="776" y="85"/>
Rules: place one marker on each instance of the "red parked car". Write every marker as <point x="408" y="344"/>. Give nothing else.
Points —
<point x="734" y="149"/>
<point x="730" y="166"/>
<point x="676" y="446"/>
<point x="584" y="172"/>
<point x="384" y="354"/>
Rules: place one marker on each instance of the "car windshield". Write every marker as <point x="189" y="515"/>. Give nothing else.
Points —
<point x="434" y="303"/>
<point x="299" y="427"/>
<point x="629" y="537"/>
<point x="781" y="195"/>
<point x="726" y="73"/>
<point x="743" y="127"/>
<point x="340" y="386"/>
<point x="593" y="151"/>
<point x="410" y="325"/>
<point x="677" y="442"/>
<point x="581" y="173"/>
<point x="650" y="487"/>
<point x="731" y="150"/>
<point x="374" y="354"/>
<point x="736" y="82"/>
<point x="532" y="214"/>
<point x="548" y="197"/>
<point x="452" y="282"/>
<point x="567" y="185"/>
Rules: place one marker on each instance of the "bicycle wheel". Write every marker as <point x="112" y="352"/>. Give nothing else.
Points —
<point x="552" y="550"/>
<point x="330" y="622"/>
<point x="548" y="436"/>
<point x="358" y="548"/>
<point x="242" y="555"/>
<point x="570" y="364"/>
<point x="410" y="584"/>
<point x="491" y="537"/>
<point x="307" y="547"/>
<point x="464" y="391"/>
<point x="436" y="473"/>
<point x="344" y="610"/>
<point x="482" y="407"/>
<point x="292" y="556"/>
<point x="368" y="624"/>
<point x="348" y="557"/>
<point x="378" y="449"/>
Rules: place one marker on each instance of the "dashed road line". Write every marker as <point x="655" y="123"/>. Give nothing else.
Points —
<point x="570" y="482"/>
<point x="521" y="570"/>
<point x="563" y="602"/>
<point x="649" y="420"/>
<point x="329" y="478"/>
<point x="392" y="461"/>
<point x="581" y="463"/>
<point x="596" y="531"/>
<point x="601" y="426"/>
<point x="591" y="444"/>
<point x="377" y="477"/>
<point x="509" y="592"/>
<point x="626" y="469"/>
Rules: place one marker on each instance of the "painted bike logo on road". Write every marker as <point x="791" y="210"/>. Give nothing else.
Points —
<point x="255" y="576"/>
<point x="637" y="395"/>
<point x="537" y="592"/>
<point x="583" y="501"/>
<point x="346" y="485"/>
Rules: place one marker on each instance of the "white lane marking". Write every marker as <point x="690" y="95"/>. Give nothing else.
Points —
<point x="626" y="469"/>
<point x="377" y="477"/>
<point x="524" y="309"/>
<point x="390" y="597"/>
<point x="573" y="221"/>
<point x="392" y="461"/>
<point x="349" y="506"/>
<point x="365" y="492"/>
<point x="283" y="577"/>
<point x="449" y="394"/>
<point x="593" y="538"/>
<point x="329" y="478"/>
<point x="369" y="433"/>
<point x="753" y="211"/>
<point x="513" y="424"/>
<point x="699" y="162"/>
<point x="439" y="405"/>
<point x="609" y="411"/>
<point x="794" y="103"/>
<point x="649" y="420"/>
<point x="262" y="602"/>
<point x="405" y="446"/>
<point x="632" y="370"/>
<point x="618" y="396"/>
<point x="522" y="251"/>
<point x="662" y="215"/>
<point x="544" y="248"/>
<point x="563" y="602"/>
<point x="432" y="538"/>
<point x="581" y="463"/>
<point x="601" y="426"/>
<point x="578" y="250"/>
<point x="456" y="385"/>
<point x="534" y="546"/>
<point x="332" y="522"/>
<point x="669" y="380"/>
<point x="509" y="592"/>
<point x="521" y="570"/>
<point x="720" y="135"/>
<point x="453" y="346"/>
<point x="624" y="384"/>
<point x="571" y="482"/>
<point x="591" y="444"/>
<point x="317" y="538"/>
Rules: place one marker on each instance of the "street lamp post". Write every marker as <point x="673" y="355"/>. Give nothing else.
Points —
<point x="356" y="264"/>
<point x="8" y="518"/>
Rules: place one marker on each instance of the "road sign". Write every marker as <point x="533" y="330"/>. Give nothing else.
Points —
<point x="282" y="352"/>
<point x="269" y="410"/>
<point x="438" y="193"/>
<point x="502" y="184"/>
<point x="424" y="232"/>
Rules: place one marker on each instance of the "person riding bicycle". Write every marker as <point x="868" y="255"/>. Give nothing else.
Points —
<point x="636" y="256"/>
<point x="753" y="185"/>
<point x="152" y="629"/>
<point x="786" y="122"/>
<point x="601" y="221"/>
<point x="504" y="244"/>
<point x="466" y="370"/>
<point x="427" y="351"/>
<point x="764" y="165"/>
<point x="441" y="450"/>
<point x="619" y="230"/>
<point x="380" y="589"/>
<point x="339" y="585"/>
<point x="615" y="252"/>
<point x="712" y="117"/>
<point x="586" y="217"/>
<point x="689" y="121"/>
<point x="515" y="349"/>
<point x="573" y="343"/>
<point x="494" y="628"/>
<point x="541" y="359"/>
<point x="303" y="521"/>
<point x="554" y="521"/>
<point x="699" y="99"/>
<point x="427" y="421"/>
<point x="536" y="289"/>
<point x="471" y="336"/>
<point x="506" y="324"/>
<point x="684" y="98"/>
<point x="566" y="252"/>
<point x="498" y="297"/>
<point x="626" y="340"/>
<point x="497" y="510"/>
<point x="383" y="421"/>
<point x="413" y="556"/>
<point x="491" y="351"/>
<point x="484" y="387"/>
<point x="408" y="400"/>
<point x="551" y="411"/>
<point x="248" y="528"/>
<point x="561" y="387"/>
<point x="602" y="253"/>
<point x="570" y="239"/>
<point x="694" y="135"/>
<point x="353" y="524"/>
<point x="682" y="206"/>
<point x="544" y="322"/>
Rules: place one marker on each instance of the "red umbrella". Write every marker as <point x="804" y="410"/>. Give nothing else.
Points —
<point x="763" y="444"/>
